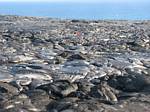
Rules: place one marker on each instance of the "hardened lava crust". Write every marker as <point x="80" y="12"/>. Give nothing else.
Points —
<point x="63" y="65"/>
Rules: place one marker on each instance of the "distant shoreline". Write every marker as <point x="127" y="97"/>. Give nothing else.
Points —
<point x="49" y="18"/>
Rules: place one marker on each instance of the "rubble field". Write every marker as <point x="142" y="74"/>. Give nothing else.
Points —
<point x="57" y="65"/>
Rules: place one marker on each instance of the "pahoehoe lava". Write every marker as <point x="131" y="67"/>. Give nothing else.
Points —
<point x="54" y="65"/>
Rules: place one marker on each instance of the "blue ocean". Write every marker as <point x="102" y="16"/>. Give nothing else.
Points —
<point x="90" y="11"/>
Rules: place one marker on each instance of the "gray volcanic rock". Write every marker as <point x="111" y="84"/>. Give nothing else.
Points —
<point x="39" y="98"/>
<point x="8" y="88"/>
<point x="5" y="76"/>
<point x="129" y="82"/>
<point x="60" y="88"/>
<point x="54" y="65"/>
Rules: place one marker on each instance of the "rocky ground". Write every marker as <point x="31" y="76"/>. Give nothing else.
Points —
<point x="53" y="65"/>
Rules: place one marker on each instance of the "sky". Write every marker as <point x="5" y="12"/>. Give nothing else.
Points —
<point x="74" y="1"/>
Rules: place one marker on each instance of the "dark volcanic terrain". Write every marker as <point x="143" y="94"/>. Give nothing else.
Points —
<point x="53" y="65"/>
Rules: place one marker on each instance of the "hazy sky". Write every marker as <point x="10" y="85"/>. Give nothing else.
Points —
<point x="74" y="0"/>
